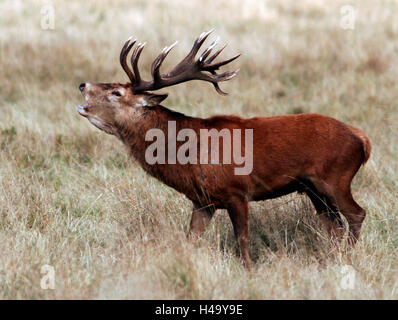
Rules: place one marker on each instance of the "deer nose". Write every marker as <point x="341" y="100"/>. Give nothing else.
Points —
<point x="82" y="86"/>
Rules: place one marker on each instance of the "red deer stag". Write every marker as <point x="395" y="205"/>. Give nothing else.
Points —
<point x="307" y="153"/>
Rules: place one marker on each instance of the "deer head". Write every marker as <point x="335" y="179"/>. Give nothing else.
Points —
<point x="110" y="103"/>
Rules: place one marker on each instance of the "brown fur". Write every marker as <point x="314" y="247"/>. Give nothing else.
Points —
<point x="308" y="153"/>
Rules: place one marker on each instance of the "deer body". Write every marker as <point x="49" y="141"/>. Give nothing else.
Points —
<point x="288" y="151"/>
<point x="308" y="153"/>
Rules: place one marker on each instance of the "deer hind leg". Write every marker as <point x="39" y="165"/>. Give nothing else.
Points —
<point x="328" y="214"/>
<point x="239" y="214"/>
<point x="339" y="197"/>
<point x="201" y="217"/>
<point x="322" y="197"/>
<point x="352" y="212"/>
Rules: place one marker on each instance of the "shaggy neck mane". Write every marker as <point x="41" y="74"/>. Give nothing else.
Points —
<point x="132" y="133"/>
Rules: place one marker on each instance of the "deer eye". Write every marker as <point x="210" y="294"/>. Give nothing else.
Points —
<point x="116" y="93"/>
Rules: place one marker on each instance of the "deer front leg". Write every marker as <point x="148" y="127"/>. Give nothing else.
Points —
<point x="239" y="213"/>
<point x="201" y="217"/>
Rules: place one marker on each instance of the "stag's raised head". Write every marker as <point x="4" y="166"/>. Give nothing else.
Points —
<point x="110" y="103"/>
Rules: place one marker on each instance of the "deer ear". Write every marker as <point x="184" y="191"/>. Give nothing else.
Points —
<point x="151" y="99"/>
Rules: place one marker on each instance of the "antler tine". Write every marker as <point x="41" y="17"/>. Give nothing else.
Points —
<point x="215" y="55"/>
<point x="222" y="77"/>
<point x="123" y="58"/>
<point x="219" y="91"/>
<point x="190" y="57"/>
<point x="217" y="65"/>
<point x="197" y="44"/>
<point x="158" y="62"/>
<point x="134" y="61"/>
<point x="226" y="75"/>
<point x="206" y="53"/>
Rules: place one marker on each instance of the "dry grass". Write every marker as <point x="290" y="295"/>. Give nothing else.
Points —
<point x="71" y="198"/>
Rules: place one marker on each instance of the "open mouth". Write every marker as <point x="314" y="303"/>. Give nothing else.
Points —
<point x="82" y="109"/>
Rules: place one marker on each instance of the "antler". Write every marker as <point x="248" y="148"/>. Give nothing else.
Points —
<point x="188" y="69"/>
<point x="123" y="56"/>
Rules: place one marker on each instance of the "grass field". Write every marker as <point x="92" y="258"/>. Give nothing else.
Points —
<point x="71" y="198"/>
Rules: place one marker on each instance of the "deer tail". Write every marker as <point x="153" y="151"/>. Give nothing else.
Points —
<point x="366" y="145"/>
